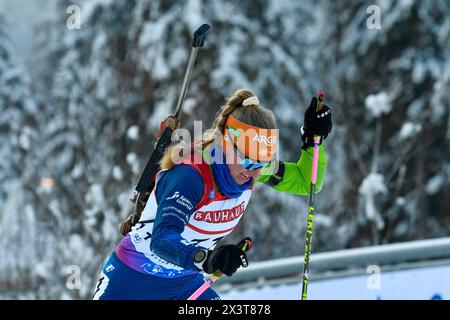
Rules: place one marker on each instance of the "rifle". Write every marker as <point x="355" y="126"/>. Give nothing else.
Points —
<point x="146" y="182"/>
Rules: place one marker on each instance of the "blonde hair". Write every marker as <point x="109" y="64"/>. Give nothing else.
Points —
<point x="252" y="114"/>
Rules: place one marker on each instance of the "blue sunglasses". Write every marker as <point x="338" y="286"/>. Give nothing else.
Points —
<point x="246" y="162"/>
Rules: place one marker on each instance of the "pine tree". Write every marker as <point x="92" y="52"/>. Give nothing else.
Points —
<point x="392" y="155"/>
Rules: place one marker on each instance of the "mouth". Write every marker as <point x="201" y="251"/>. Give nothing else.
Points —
<point x="244" y="177"/>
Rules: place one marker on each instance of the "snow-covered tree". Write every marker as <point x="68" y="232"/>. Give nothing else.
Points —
<point x="389" y="85"/>
<point x="23" y="240"/>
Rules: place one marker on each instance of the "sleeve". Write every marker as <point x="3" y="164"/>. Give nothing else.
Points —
<point x="295" y="178"/>
<point x="178" y="192"/>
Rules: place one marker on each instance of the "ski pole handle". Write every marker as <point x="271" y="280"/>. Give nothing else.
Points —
<point x="246" y="245"/>
<point x="320" y="98"/>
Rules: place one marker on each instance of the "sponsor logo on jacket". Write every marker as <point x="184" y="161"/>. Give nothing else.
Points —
<point x="220" y="216"/>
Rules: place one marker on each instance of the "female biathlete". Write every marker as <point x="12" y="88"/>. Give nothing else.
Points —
<point x="200" y="197"/>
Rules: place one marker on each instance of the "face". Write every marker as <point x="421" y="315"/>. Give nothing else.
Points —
<point x="241" y="175"/>
<point x="238" y="172"/>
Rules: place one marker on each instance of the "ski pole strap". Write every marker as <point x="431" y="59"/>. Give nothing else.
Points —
<point x="245" y="244"/>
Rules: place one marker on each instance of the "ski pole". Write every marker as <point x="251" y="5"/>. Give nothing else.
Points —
<point x="246" y="245"/>
<point x="145" y="184"/>
<point x="309" y="229"/>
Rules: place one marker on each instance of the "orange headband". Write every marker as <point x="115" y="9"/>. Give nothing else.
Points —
<point x="255" y="143"/>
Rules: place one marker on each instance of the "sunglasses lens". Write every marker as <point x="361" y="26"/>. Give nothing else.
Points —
<point x="251" y="165"/>
<point x="247" y="163"/>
